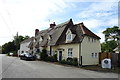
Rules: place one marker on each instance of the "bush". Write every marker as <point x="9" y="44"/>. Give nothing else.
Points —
<point x="70" y="61"/>
<point x="63" y="61"/>
<point x="43" y="55"/>
<point x="52" y="58"/>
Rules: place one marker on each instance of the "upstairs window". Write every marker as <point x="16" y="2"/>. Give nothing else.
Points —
<point x="41" y="38"/>
<point x="50" y="37"/>
<point x="95" y="55"/>
<point x="69" y="36"/>
<point x="92" y="55"/>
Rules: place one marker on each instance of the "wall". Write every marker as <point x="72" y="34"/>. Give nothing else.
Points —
<point x="64" y="49"/>
<point x="24" y="47"/>
<point x="87" y="48"/>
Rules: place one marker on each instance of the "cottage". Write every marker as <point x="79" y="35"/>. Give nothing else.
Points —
<point x="69" y="40"/>
<point x="24" y="46"/>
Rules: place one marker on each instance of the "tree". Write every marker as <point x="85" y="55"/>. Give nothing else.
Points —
<point x="8" y="47"/>
<point x="112" y="33"/>
<point x="112" y="36"/>
<point x="14" y="45"/>
<point x="18" y="39"/>
<point x="108" y="46"/>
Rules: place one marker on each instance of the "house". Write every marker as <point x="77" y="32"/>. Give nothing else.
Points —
<point x="69" y="40"/>
<point x="24" y="46"/>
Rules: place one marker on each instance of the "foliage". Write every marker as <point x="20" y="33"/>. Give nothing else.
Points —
<point x="43" y="55"/>
<point x="69" y="61"/>
<point x="14" y="45"/>
<point x="51" y="58"/>
<point x="108" y="46"/>
<point x="8" y="47"/>
<point x="112" y="37"/>
<point x="112" y="33"/>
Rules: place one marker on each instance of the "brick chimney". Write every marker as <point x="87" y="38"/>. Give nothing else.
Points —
<point x="36" y="32"/>
<point x="52" y="25"/>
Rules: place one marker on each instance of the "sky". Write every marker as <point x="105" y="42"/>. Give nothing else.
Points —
<point x="24" y="16"/>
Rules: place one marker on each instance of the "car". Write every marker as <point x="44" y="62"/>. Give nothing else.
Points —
<point x="27" y="56"/>
<point x="10" y="54"/>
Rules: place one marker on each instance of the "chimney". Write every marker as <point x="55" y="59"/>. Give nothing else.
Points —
<point x="36" y="32"/>
<point x="52" y="25"/>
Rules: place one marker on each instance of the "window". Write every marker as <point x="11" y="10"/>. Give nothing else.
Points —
<point x="41" y="38"/>
<point x="95" y="55"/>
<point x="92" y="39"/>
<point x="92" y="55"/>
<point x="89" y="39"/>
<point x="50" y="37"/>
<point x="69" y="37"/>
<point x="70" y="52"/>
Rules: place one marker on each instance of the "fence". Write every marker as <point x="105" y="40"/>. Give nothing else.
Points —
<point x="115" y="58"/>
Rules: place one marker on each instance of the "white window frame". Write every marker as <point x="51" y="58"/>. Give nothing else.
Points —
<point x="96" y="55"/>
<point x="92" y="55"/>
<point x="69" y="37"/>
<point x="70" y="52"/>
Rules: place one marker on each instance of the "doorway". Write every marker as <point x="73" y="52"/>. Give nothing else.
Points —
<point x="60" y="55"/>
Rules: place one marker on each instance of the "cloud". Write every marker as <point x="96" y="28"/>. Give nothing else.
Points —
<point x="24" y="16"/>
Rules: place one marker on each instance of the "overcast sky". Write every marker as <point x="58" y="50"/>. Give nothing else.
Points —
<point x="24" y="16"/>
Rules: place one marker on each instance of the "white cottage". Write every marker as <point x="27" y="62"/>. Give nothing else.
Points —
<point x="24" y="46"/>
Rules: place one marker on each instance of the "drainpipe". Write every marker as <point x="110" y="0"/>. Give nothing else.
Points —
<point x="50" y="50"/>
<point x="80" y="57"/>
<point x="79" y="54"/>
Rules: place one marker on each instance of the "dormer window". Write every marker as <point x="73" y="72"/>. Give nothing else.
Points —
<point x="69" y="36"/>
<point x="50" y="37"/>
<point x="41" y="38"/>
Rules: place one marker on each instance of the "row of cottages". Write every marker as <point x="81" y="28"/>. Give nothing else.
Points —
<point x="68" y="40"/>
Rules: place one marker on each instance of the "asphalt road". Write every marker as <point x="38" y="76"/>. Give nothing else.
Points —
<point x="13" y="67"/>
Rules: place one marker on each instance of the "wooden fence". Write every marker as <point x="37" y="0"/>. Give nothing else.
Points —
<point x="115" y="58"/>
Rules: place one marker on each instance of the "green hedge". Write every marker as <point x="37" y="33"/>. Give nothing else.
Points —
<point x="52" y="58"/>
<point x="69" y="61"/>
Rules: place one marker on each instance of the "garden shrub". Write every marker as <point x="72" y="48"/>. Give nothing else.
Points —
<point x="52" y="58"/>
<point x="43" y="55"/>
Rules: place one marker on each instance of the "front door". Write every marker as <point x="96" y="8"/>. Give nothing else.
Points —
<point x="60" y="55"/>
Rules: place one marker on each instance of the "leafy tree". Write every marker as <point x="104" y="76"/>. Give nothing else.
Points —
<point x="112" y="33"/>
<point x="14" y="45"/>
<point x="112" y="36"/>
<point x="18" y="39"/>
<point x="108" y="46"/>
<point x="8" y="47"/>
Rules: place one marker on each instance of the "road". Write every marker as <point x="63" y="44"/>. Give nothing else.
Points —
<point x="13" y="67"/>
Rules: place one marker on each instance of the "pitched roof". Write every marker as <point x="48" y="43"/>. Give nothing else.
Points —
<point x="58" y="31"/>
<point x="54" y="32"/>
<point x="27" y="40"/>
<point x="58" y="34"/>
<point x="86" y="31"/>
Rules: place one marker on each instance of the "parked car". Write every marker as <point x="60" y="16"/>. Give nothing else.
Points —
<point x="10" y="54"/>
<point x="27" y="56"/>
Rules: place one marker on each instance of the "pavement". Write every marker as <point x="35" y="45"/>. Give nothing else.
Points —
<point x="13" y="67"/>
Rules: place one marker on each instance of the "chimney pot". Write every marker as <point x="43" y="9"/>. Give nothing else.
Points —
<point x="52" y="25"/>
<point x="36" y="32"/>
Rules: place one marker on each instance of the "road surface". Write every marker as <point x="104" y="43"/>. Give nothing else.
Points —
<point x="13" y="67"/>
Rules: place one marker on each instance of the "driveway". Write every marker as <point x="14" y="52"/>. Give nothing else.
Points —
<point x="13" y="67"/>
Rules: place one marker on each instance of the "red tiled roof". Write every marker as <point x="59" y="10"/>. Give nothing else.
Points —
<point x="86" y="31"/>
